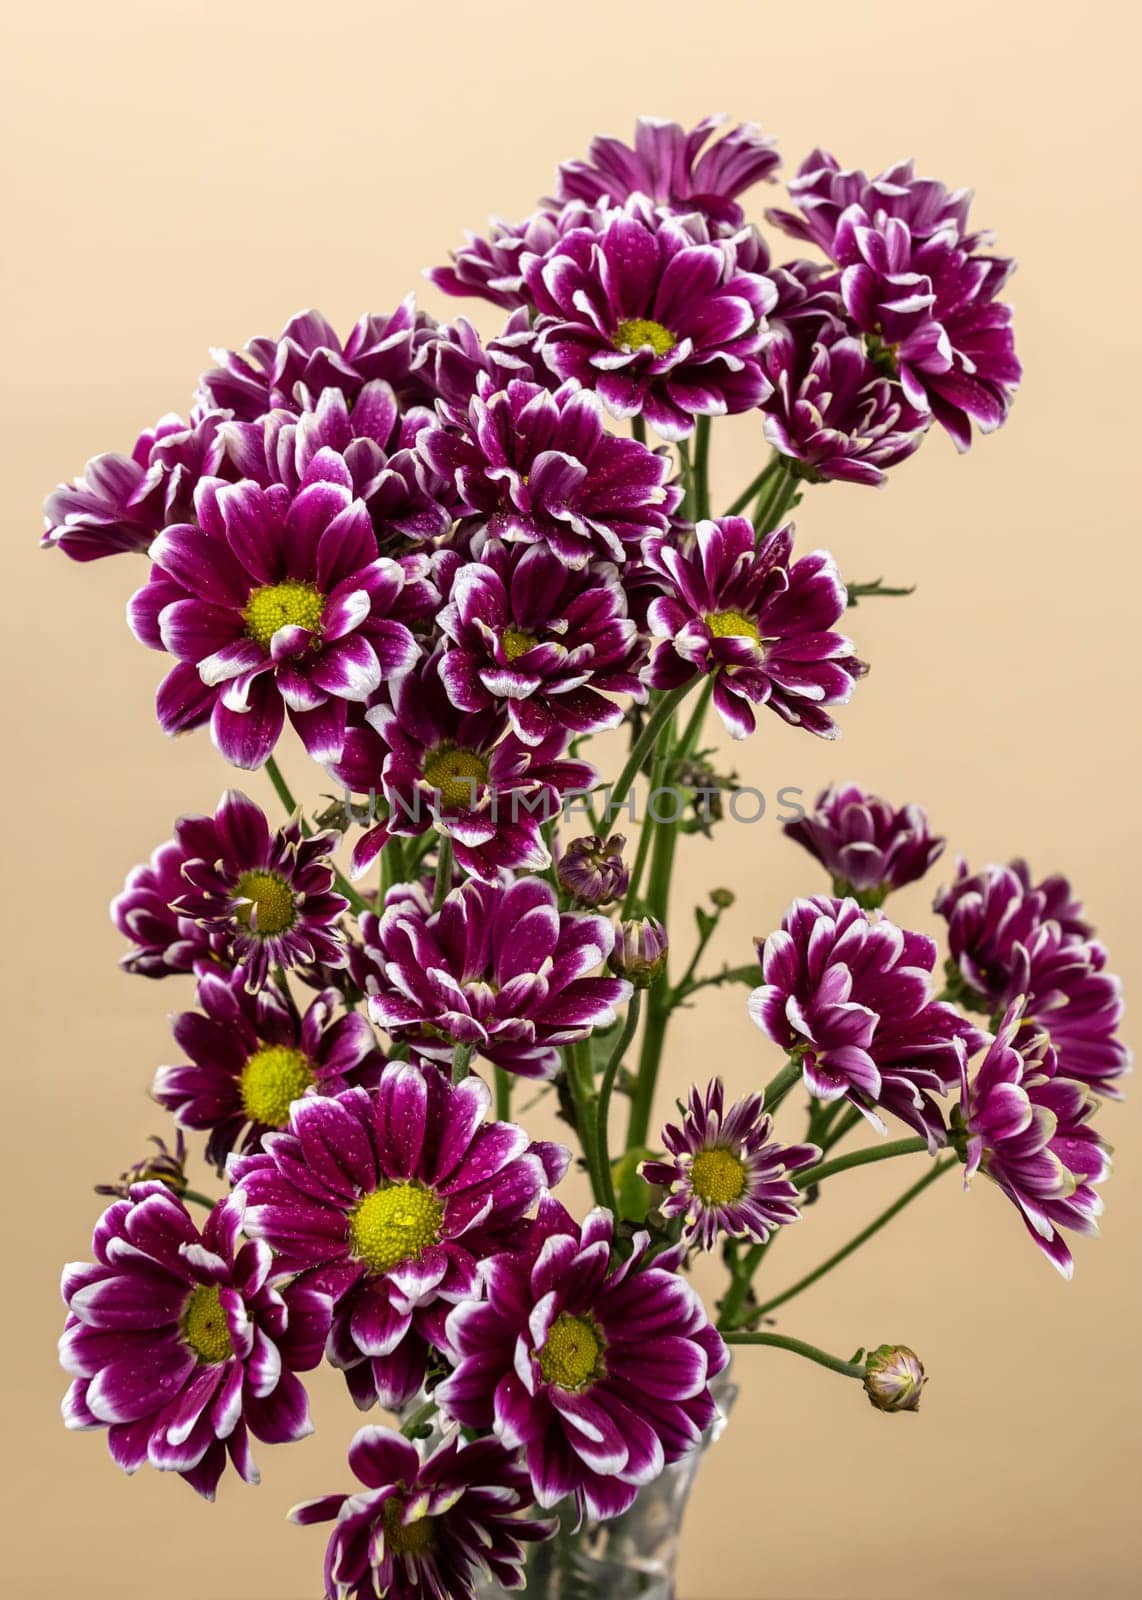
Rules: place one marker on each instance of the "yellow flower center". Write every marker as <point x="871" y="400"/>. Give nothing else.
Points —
<point x="517" y="643"/>
<point x="272" y="1079"/>
<point x="271" y="906"/>
<point x="405" y="1538"/>
<point x="281" y="605"/>
<point x="395" y="1224"/>
<point x="732" y="625"/>
<point x="717" y="1176"/>
<point x="456" y="773"/>
<point x="204" y="1325"/>
<point x="636" y="332"/>
<point x="572" y="1354"/>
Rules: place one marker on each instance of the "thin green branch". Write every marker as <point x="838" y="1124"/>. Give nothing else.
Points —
<point x="754" y="487"/>
<point x="443" y="871"/>
<point x="800" y="1347"/>
<point x="606" y="1086"/>
<point x="860" y="1158"/>
<point x="861" y="1238"/>
<point x="652" y="727"/>
<point x="281" y="788"/>
<point x="702" y="469"/>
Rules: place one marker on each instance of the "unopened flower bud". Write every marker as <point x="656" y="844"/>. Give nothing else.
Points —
<point x="722" y="898"/>
<point x="893" y="1378"/>
<point x="592" y="870"/>
<point x="640" y="952"/>
<point x="165" y="1166"/>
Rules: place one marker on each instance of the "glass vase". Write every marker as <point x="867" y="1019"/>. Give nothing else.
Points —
<point x="632" y="1557"/>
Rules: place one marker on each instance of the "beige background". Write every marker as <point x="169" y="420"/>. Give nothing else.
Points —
<point x="187" y="175"/>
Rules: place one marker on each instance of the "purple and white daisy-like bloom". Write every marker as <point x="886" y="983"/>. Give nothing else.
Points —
<point x="269" y="895"/>
<point x="832" y="409"/>
<point x="822" y="192"/>
<point x="655" y="316"/>
<point x="536" y="467"/>
<point x="271" y="602"/>
<point x="724" y="1174"/>
<point x="498" y="968"/>
<point x="308" y="356"/>
<point x="849" y="995"/>
<point x="1027" y="1128"/>
<point x="674" y="167"/>
<point x="598" y="1373"/>
<point x="463" y="773"/>
<point x="491" y="268"/>
<point x="425" y="1529"/>
<point x="163" y="941"/>
<point x="758" y="623"/>
<point x="868" y="846"/>
<point x="548" y="643"/>
<point x="182" y="1344"/>
<point x="1012" y="938"/>
<point x="389" y="1198"/>
<point x="250" y="1056"/>
<point x="376" y="442"/>
<point x="120" y="503"/>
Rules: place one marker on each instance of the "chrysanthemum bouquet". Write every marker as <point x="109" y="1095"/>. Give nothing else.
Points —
<point x="447" y="563"/>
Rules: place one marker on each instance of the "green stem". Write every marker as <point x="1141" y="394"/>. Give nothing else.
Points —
<point x="581" y="1083"/>
<point x="281" y="788"/>
<point x="834" y="1132"/>
<point x="658" y="1005"/>
<point x="862" y="1237"/>
<point x="197" y="1199"/>
<point x="645" y="835"/>
<point x="443" y="872"/>
<point x="702" y="469"/>
<point x="461" y="1056"/>
<point x="605" y="1087"/>
<point x="860" y="1158"/>
<point x="693" y="729"/>
<point x="638" y="429"/>
<point x="686" y="982"/>
<point x="645" y="742"/>
<point x="503" y="1095"/>
<point x="799" y="1347"/>
<point x="779" y="1086"/>
<point x="775" y="499"/>
<point x="754" y="488"/>
<point x="419" y="1417"/>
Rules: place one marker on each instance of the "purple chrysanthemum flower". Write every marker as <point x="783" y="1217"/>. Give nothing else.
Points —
<point x="832" y="409"/>
<point x="930" y="312"/>
<point x="539" y="468"/>
<point x="180" y="1343"/>
<point x="290" y="372"/>
<point x="546" y="642"/>
<point x="760" y="625"/>
<point x="377" y="444"/>
<point x="121" y="502"/>
<point x="272" y="602"/>
<point x="1027" y="1128"/>
<point x="917" y="285"/>
<point x="599" y="1373"/>
<point x="726" y="1176"/>
<point x="461" y="772"/>
<point x="668" y="164"/>
<point x="164" y="942"/>
<point x="592" y="870"/>
<point x="269" y="894"/>
<point x="389" y="1198"/>
<point x="492" y="268"/>
<point x="849" y="995"/>
<point x="654" y="316"/>
<point x="868" y="846"/>
<point x="425" y="1530"/>
<point x="1010" y="938"/>
<point x="823" y="192"/>
<point x="250" y="1056"/>
<point x="498" y="968"/>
